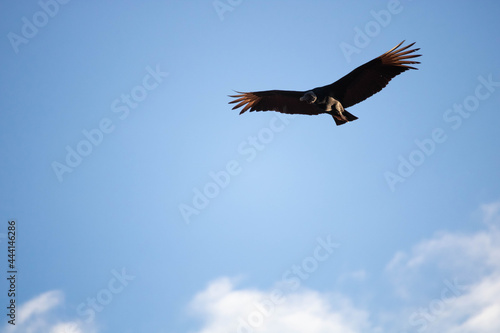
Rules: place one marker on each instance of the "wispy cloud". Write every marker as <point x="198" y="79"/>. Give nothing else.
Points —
<point x="491" y="214"/>
<point x="37" y="316"/>
<point x="39" y="305"/>
<point x="465" y="272"/>
<point x="469" y="256"/>
<point x="449" y="283"/>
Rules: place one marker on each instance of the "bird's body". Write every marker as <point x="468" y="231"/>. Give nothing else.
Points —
<point x="358" y="85"/>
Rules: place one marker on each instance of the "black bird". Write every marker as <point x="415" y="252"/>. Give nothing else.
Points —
<point x="333" y="99"/>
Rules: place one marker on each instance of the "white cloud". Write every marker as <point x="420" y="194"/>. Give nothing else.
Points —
<point x="450" y="283"/>
<point x="225" y="310"/>
<point x="39" y="305"/>
<point x="37" y="316"/>
<point x="467" y="257"/>
<point x="470" y="260"/>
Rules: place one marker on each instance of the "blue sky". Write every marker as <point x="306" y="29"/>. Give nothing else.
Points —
<point x="143" y="203"/>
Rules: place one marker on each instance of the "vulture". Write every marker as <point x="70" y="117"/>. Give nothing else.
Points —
<point x="333" y="99"/>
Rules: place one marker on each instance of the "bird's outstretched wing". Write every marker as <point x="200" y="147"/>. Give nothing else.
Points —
<point x="370" y="78"/>
<point x="283" y="101"/>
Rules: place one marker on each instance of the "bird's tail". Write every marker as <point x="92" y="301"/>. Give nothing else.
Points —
<point x="343" y="118"/>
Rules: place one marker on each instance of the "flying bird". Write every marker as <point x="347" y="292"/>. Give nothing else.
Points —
<point x="333" y="99"/>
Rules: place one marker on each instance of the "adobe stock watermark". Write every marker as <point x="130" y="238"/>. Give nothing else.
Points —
<point x="105" y="296"/>
<point x="30" y="27"/>
<point x="247" y="150"/>
<point x="423" y="317"/>
<point x="223" y="6"/>
<point x="454" y="117"/>
<point x="363" y="36"/>
<point x="292" y="278"/>
<point x="121" y="107"/>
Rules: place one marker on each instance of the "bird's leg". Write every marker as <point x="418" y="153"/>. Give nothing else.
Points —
<point x="337" y="107"/>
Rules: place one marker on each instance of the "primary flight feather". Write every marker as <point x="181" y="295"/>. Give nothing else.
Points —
<point x="333" y="99"/>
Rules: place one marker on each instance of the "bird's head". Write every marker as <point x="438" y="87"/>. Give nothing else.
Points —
<point x="309" y="97"/>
